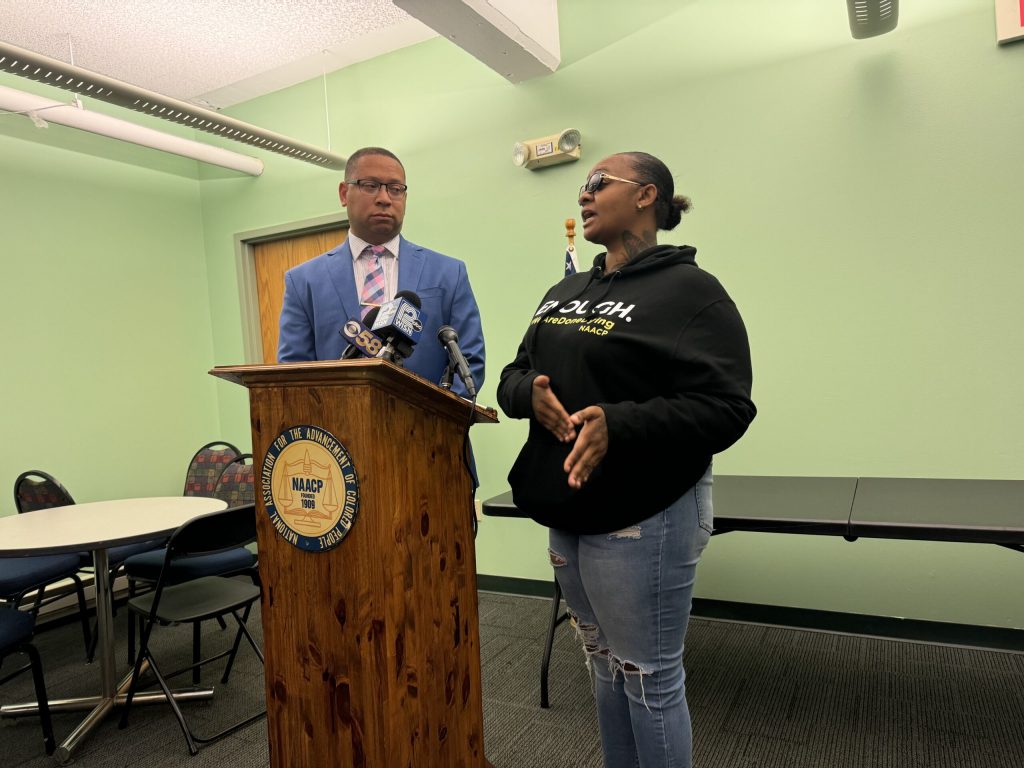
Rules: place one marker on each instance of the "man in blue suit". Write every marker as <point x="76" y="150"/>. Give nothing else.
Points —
<point x="370" y="267"/>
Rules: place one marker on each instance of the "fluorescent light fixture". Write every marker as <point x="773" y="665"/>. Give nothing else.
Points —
<point x="41" y="110"/>
<point x="43" y="69"/>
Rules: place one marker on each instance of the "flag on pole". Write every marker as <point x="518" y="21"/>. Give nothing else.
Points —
<point x="571" y="265"/>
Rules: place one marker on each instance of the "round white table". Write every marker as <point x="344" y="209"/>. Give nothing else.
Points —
<point x="96" y="526"/>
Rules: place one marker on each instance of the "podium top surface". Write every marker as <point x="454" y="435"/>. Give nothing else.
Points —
<point x="347" y="372"/>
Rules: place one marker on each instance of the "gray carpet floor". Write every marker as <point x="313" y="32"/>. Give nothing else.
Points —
<point x="761" y="697"/>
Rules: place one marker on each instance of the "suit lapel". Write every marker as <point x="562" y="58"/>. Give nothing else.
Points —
<point x="342" y="275"/>
<point x="410" y="265"/>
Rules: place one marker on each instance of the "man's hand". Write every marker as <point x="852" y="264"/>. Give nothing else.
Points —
<point x="549" y="411"/>
<point x="591" y="446"/>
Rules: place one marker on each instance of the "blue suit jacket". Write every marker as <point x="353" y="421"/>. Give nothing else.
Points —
<point x="320" y="295"/>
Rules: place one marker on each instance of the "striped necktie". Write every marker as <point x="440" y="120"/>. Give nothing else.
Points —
<point x="373" y="285"/>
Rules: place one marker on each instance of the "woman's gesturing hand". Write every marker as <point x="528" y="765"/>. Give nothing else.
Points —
<point x="549" y="411"/>
<point x="591" y="446"/>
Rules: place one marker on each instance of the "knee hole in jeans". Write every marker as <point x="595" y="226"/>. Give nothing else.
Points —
<point x="627" y="669"/>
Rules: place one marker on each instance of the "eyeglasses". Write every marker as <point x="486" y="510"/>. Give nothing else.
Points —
<point x="597" y="180"/>
<point x="372" y="187"/>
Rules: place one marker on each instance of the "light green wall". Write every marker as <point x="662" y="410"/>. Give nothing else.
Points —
<point x="858" y="198"/>
<point x="105" y="316"/>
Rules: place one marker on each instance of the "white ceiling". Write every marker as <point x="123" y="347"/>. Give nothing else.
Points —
<point x="212" y="52"/>
<point x="217" y="53"/>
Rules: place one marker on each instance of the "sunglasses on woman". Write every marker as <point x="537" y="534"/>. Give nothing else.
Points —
<point x="597" y="180"/>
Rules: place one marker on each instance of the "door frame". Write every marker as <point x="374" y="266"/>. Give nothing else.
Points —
<point x="245" y="268"/>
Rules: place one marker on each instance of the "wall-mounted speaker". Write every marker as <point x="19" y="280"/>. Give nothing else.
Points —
<point x="869" y="18"/>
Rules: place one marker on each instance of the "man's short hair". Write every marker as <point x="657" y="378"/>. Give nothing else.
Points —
<point x="354" y="158"/>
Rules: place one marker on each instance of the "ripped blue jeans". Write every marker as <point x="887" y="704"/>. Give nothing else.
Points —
<point x="629" y="593"/>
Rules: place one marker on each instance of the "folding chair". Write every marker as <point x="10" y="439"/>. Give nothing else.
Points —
<point x="201" y="477"/>
<point x="196" y="601"/>
<point x="236" y="486"/>
<point x="15" y="636"/>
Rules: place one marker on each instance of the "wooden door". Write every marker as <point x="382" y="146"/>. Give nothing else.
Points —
<point x="275" y="257"/>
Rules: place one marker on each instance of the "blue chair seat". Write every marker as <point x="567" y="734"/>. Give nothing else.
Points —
<point x="122" y="553"/>
<point x="117" y="555"/>
<point x="147" y="565"/>
<point x="15" y="628"/>
<point x="18" y="574"/>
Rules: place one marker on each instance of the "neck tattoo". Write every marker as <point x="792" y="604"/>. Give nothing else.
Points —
<point x="633" y="243"/>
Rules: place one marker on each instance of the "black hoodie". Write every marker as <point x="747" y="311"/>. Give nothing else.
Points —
<point x="660" y="346"/>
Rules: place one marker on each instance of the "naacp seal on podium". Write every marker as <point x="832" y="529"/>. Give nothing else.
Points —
<point x="310" y="488"/>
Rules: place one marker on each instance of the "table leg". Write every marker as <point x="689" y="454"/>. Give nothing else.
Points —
<point x="104" y="622"/>
<point x="105" y="650"/>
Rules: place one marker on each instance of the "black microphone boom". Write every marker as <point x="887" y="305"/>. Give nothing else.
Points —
<point x="449" y="339"/>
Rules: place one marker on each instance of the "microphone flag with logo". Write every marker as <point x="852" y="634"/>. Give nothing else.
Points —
<point x="361" y="340"/>
<point x="400" y="324"/>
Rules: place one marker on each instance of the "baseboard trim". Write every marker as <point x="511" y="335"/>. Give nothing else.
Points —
<point x="510" y="585"/>
<point x="917" y="630"/>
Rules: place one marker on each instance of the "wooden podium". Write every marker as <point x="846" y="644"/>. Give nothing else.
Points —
<point x="372" y="646"/>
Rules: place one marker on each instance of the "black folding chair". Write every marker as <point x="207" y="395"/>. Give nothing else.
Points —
<point x="201" y="477"/>
<point x="196" y="601"/>
<point x="236" y="486"/>
<point x="15" y="636"/>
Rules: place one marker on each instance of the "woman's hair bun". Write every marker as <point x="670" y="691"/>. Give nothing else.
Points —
<point x="679" y="205"/>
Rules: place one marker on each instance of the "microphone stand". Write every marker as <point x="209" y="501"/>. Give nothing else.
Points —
<point x="448" y="378"/>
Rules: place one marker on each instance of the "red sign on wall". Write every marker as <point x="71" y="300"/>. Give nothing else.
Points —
<point x="1009" y="20"/>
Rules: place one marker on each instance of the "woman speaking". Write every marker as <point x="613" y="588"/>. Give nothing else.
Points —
<point x="633" y="375"/>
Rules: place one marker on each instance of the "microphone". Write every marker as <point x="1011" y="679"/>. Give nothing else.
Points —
<point x="400" y="324"/>
<point x="450" y="340"/>
<point x="362" y="341"/>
